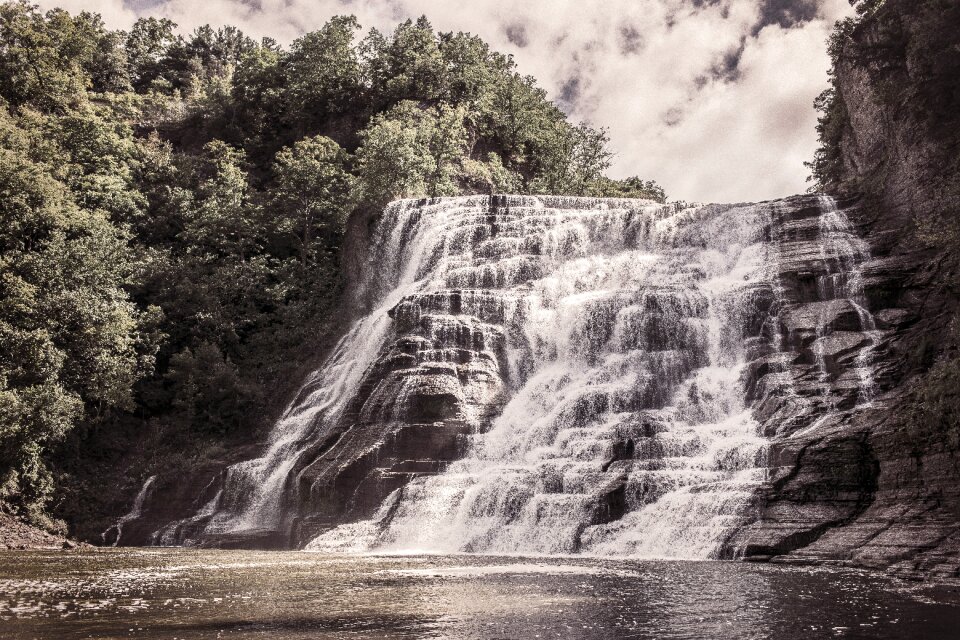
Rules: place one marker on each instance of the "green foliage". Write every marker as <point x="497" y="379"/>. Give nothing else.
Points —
<point x="40" y="63"/>
<point x="632" y="187"/>
<point x="409" y="152"/>
<point x="311" y="195"/>
<point x="577" y="157"/>
<point x="70" y="345"/>
<point x="323" y="74"/>
<point x="173" y="210"/>
<point x="146" y="45"/>
<point x="406" y="66"/>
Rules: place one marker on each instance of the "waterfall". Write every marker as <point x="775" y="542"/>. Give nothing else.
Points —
<point x="136" y="510"/>
<point x="558" y="375"/>
<point x="626" y="430"/>
<point x="844" y="254"/>
<point x="253" y="493"/>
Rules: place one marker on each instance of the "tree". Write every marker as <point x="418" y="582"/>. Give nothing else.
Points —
<point x="572" y="160"/>
<point x="632" y="187"/>
<point x="407" y="66"/>
<point x="444" y="134"/>
<point x="323" y="75"/>
<point x="311" y="196"/>
<point x="69" y="336"/>
<point x="409" y="151"/>
<point x="39" y="63"/>
<point x="391" y="160"/>
<point x="224" y="221"/>
<point x="258" y="104"/>
<point x="147" y="44"/>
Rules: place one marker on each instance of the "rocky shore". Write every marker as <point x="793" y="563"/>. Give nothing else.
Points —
<point x="18" y="535"/>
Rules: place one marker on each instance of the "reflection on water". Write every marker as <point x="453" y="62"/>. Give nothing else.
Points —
<point x="174" y="593"/>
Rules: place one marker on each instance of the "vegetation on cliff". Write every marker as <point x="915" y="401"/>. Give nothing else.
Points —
<point x="910" y="51"/>
<point x="173" y="213"/>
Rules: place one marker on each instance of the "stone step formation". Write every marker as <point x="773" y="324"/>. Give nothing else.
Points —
<point x="560" y="375"/>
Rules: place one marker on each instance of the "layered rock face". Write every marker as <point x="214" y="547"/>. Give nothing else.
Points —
<point x="880" y="486"/>
<point x="576" y="375"/>
<point x="856" y="481"/>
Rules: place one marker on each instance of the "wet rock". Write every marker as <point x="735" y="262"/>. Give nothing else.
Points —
<point x="835" y="352"/>
<point x="803" y="323"/>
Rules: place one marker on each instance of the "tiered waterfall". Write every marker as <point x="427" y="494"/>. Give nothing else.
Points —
<point x="549" y="375"/>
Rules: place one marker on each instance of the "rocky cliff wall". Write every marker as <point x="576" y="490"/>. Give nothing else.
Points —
<point x="880" y="486"/>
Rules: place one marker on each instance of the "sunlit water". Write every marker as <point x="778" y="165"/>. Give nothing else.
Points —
<point x="175" y="593"/>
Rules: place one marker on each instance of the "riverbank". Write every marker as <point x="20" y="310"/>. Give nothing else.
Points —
<point x="18" y="535"/>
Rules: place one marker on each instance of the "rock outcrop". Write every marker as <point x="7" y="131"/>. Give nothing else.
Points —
<point x="862" y="485"/>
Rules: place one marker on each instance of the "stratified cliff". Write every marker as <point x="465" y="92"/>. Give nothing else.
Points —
<point x="880" y="486"/>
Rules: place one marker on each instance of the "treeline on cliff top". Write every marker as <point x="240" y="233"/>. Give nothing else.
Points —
<point x="173" y="212"/>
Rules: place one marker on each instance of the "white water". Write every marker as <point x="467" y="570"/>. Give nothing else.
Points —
<point x="607" y="339"/>
<point x="844" y="253"/>
<point x="253" y="493"/>
<point x="136" y="510"/>
<point x="630" y="331"/>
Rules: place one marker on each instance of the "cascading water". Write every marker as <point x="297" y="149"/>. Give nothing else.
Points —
<point x="627" y="430"/>
<point x="549" y="375"/>
<point x="115" y="531"/>
<point x="844" y="254"/>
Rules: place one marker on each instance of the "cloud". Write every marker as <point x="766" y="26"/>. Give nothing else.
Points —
<point x="712" y="98"/>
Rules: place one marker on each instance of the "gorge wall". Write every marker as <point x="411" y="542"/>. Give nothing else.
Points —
<point x="879" y="487"/>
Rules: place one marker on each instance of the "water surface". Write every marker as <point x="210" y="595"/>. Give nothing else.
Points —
<point x="176" y="593"/>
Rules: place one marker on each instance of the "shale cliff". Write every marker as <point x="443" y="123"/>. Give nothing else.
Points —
<point x="879" y="486"/>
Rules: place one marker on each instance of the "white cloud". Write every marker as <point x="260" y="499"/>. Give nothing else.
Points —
<point x="712" y="98"/>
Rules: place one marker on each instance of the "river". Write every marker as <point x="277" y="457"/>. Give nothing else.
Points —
<point x="182" y="593"/>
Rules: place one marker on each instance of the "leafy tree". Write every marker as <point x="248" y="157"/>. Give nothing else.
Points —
<point x="472" y="70"/>
<point x="632" y="187"/>
<point x="573" y="160"/>
<point x="323" y="74"/>
<point x="406" y="66"/>
<point x="69" y="341"/>
<point x="39" y="62"/>
<point x="409" y="151"/>
<point x="146" y="46"/>
<point x="258" y="106"/>
<point x="311" y="196"/>
<point x="391" y="161"/>
<point x="224" y="221"/>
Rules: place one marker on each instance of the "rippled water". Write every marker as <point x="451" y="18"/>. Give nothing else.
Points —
<point x="173" y="593"/>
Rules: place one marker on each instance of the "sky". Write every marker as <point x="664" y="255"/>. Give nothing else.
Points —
<point x="711" y="98"/>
